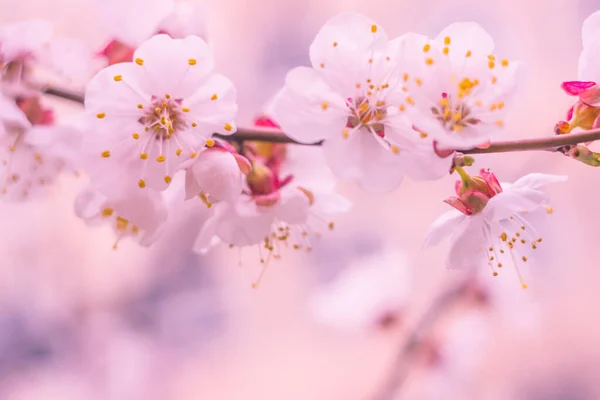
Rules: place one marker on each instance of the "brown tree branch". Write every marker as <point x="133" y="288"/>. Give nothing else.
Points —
<point x="551" y="143"/>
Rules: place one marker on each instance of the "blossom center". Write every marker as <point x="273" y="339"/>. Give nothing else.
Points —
<point x="365" y="112"/>
<point x="453" y="111"/>
<point x="165" y="117"/>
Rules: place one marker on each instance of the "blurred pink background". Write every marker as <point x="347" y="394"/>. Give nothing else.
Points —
<point x="81" y="321"/>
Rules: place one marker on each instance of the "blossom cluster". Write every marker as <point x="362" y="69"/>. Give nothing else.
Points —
<point x="156" y="134"/>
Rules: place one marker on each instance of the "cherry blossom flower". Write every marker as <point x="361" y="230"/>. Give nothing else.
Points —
<point x="370" y="294"/>
<point x="460" y="90"/>
<point x="138" y="20"/>
<point x="352" y="98"/>
<point x="490" y="224"/>
<point x="139" y="215"/>
<point x="291" y="207"/>
<point x="33" y="150"/>
<point x="149" y="117"/>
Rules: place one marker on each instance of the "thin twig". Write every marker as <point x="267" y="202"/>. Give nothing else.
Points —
<point x="400" y="368"/>
<point x="551" y="143"/>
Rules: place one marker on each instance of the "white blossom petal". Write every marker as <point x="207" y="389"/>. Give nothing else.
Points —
<point x="468" y="243"/>
<point x="363" y="159"/>
<point x="442" y="227"/>
<point x="591" y="29"/>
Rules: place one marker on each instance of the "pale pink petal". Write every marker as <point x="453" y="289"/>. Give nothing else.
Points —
<point x="133" y="21"/>
<point x="213" y="106"/>
<point x="173" y="66"/>
<point x="513" y="201"/>
<point x="589" y="61"/>
<point x="467" y="249"/>
<point x="186" y="19"/>
<point x="24" y="38"/>
<point x="423" y="163"/>
<point x="115" y="92"/>
<point x="11" y="114"/>
<point x="307" y="109"/>
<point x="241" y="224"/>
<point x="591" y="29"/>
<point x="363" y="159"/>
<point x="341" y="50"/>
<point x="442" y="227"/>
<point x="217" y="174"/>
<point x="537" y="180"/>
<point x="293" y="207"/>
<point x="464" y="37"/>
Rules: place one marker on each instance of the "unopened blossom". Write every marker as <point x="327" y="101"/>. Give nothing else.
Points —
<point x="460" y="90"/>
<point x="490" y="224"/>
<point x="371" y="294"/>
<point x="275" y="209"/>
<point x="138" y="20"/>
<point x="139" y="215"/>
<point x="353" y="99"/>
<point x="33" y="149"/>
<point x="150" y="116"/>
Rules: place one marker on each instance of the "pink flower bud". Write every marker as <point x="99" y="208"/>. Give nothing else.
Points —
<point x="473" y="192"/>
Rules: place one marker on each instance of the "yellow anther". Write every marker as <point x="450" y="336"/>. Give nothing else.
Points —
<point x="210" y="143"/>
<point x="503" y="236"/>
<point x="140" y="106"/>
<point x="192" y="61"/>
<point x="491" y="249"/>
<point x="106" y="153"/>
<point x="494" y="80"/>
<point x="523" y="241"/>
<point x="118" y="78"/>
<point x="324" y="105"/>
<point x="499" y="123"/>
<point x="322" y="65"/>
<point x="402" y="107"/>
<point x="185" y="109"/>
<point x="468" y="53"/>
<point x="491" y="64"/>
<point x="443" y="102"/>
<point x="405" y="77"/>
<point x="426" y="48"/>
<point x="205" y="200"/>
<point x="447" y="40"/>
<point x="335" y="44"/>
<point x="228" y="127"/>
<point x="419" y="81"/>
<point x="214" y="97"/>
<point x="142" y="183"/>
<point x="101" y="115"/>
<point x="423" y="135"/>
<point x="410" y="101"/>
<point x="135" y="136"/>
<point x="491" y="258"/>
<point x="493" y="107"/>
<point x="457" y="116"/>
<point x="429" y="61"/>
<point x="194" y="124"/>
<point x="549" y="210"/>
<point x="346" y="133"/>
<point x="193" y="155"/>
<point x="331" y="225"/>
<point x="160" y="158"/>
<point x="144" y="156"/>
<point x="501" y="105"/>
<point x="135" y="230"/>
<point x="499" y="265"/>
<point x="446" y="50"/>
<point x="167" y="179"/>
<point x="373" y="28"/>
<point x="395" y="149"/>
<point x="524" y="258"/>
<point x="517" y="234"/>
<point x="107" y="212"/>
<point x="524" y="286"/>
<point x="167" y="96"/>
<point x="139" y="61"/>
<point x="178" y="152"/>
<point x="505" y="63"/>
<point x="495" y="273"/>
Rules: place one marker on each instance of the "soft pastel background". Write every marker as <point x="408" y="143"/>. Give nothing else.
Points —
<point x="81" y="321"/>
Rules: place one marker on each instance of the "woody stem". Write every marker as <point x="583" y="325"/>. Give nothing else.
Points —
<point x="551" y="143"/>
